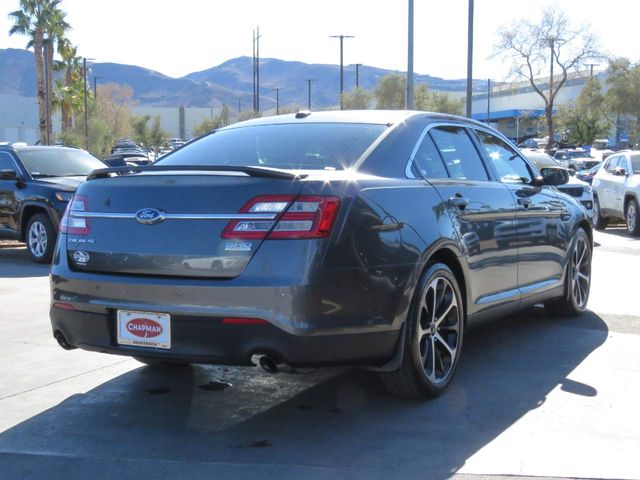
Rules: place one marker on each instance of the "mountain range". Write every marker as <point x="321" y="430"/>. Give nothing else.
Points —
<point x="224" y="84"/>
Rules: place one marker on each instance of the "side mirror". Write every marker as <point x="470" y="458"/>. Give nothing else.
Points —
<point x="619" y="171"/>
<point x="554" y="176"/>
<point x="8" y="175"/>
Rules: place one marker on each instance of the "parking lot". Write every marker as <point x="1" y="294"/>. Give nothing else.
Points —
<point x="533" y="396"/>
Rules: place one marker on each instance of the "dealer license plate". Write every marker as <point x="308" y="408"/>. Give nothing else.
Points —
<point x="144" y="329"/>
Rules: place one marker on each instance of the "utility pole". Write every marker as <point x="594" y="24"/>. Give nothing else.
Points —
<point x="86" y="106"/>
<point x="309" y="80"/>
<point x="410" y="59"/>
<point x="239" y="107"/>
<point x="489" y="101"/>
<point x="257" y="69"/>
<point x="591" y="65"/>
<point x="358" y="65"/>
<point x="277" y="100"/>
<point x="46" y="97"/>
<point x="341" y="37"/>
<point x="95" y="87"/>
<point x="469" y="58"/>
<point x="253" y="66"/>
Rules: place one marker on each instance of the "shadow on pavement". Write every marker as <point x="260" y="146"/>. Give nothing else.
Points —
<point x="15" y="262"/>
<point x="159" y="423"/>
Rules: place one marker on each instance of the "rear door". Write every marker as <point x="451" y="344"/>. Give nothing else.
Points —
<point x="482" y="210"/>
<point x="542" y="236"/>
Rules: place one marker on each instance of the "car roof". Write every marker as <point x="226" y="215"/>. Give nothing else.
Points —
<point x="23" y="147"/>
<point x="381" y="117"/>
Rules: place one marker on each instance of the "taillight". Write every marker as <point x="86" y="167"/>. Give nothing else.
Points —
<point x="75" y="225"/>
<point x="305" y="216"/>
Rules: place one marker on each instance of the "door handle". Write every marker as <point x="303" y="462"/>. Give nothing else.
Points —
<point x="524" y="202"/>
<point x="458" y="201"/>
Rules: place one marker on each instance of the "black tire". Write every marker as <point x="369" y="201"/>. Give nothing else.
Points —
<point x="600" y="221"/>
<point x="576" y="292"/>
<point x="159" y="363"/>
<point x="426" y="335"/>
<point x="632" y="218"/>
<point x="40" y="237"/>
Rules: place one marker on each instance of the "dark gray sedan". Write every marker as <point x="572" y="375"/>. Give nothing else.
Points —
<point x="336" y="238"/>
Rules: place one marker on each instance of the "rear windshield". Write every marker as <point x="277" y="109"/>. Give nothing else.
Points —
<point x="54" y="162"/>
<point x="288" y="146"/>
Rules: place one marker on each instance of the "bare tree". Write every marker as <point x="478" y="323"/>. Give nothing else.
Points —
<point x="536" y="49"/>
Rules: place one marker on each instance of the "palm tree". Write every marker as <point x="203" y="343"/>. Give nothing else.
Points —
<point x="71" y="86"/>
<point x="42" y="21"/>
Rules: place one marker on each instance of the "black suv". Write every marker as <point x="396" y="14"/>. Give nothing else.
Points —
<point x="36" y="184"/>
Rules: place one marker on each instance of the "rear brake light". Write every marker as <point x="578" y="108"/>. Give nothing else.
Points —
<point x="75" y="225"/>
<point x="300" y="217"/>
<point x="243" y="321"/>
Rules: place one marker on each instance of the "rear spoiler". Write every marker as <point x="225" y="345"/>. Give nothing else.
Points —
<point x="251" y="171"/>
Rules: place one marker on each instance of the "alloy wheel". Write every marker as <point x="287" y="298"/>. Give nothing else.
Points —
<point x="439" y="325"/>
<point x="632" y="215"/>
<point x="38" y="240"/>
<point x="581" y="272"/>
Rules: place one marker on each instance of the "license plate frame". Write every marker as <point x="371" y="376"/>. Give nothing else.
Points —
<point x="137" y="328"/>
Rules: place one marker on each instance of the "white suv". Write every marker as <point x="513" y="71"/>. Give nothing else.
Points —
<point x="616" y="190"/>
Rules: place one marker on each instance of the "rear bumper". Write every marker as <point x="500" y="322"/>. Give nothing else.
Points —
<point x="207" y="340"/>
<point x="335" y="317"/>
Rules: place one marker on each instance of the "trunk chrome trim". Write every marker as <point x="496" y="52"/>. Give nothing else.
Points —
<point x="181" y="216"/>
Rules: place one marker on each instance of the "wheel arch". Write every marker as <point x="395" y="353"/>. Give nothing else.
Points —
<point x="28" y="211"/>
<point x="447" y="256"/>
<point x="627" y="198"/>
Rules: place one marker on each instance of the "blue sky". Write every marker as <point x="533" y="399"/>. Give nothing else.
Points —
<point x="179" y="37"/>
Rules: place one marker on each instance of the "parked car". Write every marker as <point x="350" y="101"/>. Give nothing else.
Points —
<point x="313" y="239"/>
<point x="535" y="143"/>
<point x="575" y="160"/>
<point x="572" y="186"/>
<point x="36" y="185"/>
<point x="127" y="157"/>
<point x="587" y="175"/>
<point x="616" y="190"/>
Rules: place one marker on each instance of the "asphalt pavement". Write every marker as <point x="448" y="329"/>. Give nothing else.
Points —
<point x="533" y="397"/>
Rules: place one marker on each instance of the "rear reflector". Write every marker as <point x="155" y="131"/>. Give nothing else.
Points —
<point x="64" y="306"/>
<point x="74" y="225"/>
<point x="243" y="321"/>
<point x="298" y="217"/>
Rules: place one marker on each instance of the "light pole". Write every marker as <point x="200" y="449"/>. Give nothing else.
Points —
<point x="309" y="80"/>
<point x="410" y="59"/>
<point x="489" y="100"/>
<point x="358" y="65"/>
<point x="341" y="37"/>
<point x="277" y="100"/>
<point x="95" y="87"/>
<point x="469" y="58"/>
<point x="86" y="107"/>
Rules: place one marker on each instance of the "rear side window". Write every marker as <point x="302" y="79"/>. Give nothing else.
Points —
<point x="458" y="153"/>
<point x="510" y="166"/>
<point x="427" y="162"/>
<point x="635" y="163"/>
<point x="314" y="146"/>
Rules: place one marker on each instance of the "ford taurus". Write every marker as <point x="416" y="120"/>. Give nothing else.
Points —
<point x="367" y="238"/>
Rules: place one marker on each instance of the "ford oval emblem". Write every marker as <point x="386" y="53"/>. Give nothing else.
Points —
<point x="149" y="216"/>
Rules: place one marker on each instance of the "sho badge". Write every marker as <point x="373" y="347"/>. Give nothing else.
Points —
<point x="81" y="257"/>
<point x="237" y="246"/>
